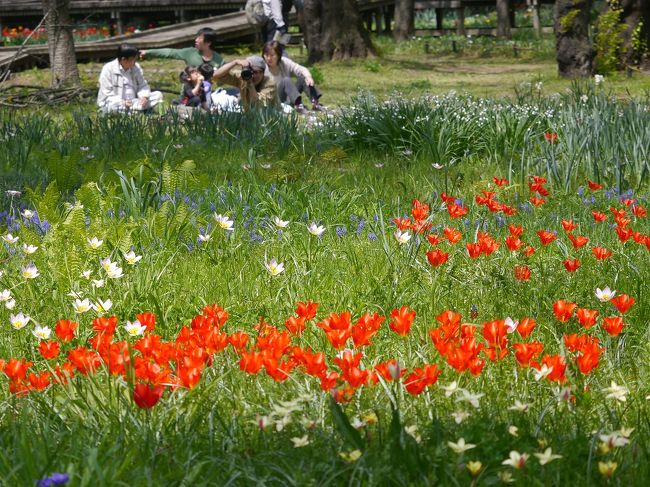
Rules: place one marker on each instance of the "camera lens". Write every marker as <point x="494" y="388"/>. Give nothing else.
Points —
<point x="246" y="74"/>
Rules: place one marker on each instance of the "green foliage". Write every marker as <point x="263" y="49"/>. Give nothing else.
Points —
<point x="566" y="22"/>
<point x="608" y="41"/>
<point x="639" y="43"/>
<point x="317" y="75"/>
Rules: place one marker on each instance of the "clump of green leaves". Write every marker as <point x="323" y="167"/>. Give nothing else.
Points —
<point x="608" y="42"/>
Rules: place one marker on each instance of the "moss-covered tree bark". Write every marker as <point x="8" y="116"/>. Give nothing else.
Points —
<point x="334" y="30"/>
<point x="574" y="52"/>
<point x="63" y="61"/>
<point x="404" y="19"/>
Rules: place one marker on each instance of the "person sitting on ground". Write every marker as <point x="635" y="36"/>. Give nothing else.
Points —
<point x="255" y="88"/>
<point x="206" y="70"/>
<point x="280" y="70"/>
<point x="192" y="94"/>
<point x="122" y="86"/>
<point x="202" y="52"/>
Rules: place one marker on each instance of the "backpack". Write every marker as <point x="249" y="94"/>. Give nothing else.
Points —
<point x="255" y="12"/>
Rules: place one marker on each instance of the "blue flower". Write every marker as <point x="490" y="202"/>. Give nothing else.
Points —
<point x="372" y="236"/>
<point x="53" y="480"/>
<point x="341" y="231"/>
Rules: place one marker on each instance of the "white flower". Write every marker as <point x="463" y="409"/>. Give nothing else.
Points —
<point x="435" y="165"/>
<point x="450" y="389"/>
<point x="42" y="332"/>
<point x="274" y="267"/>
<point x="114" y="272"/>
<point x="539" y="85"/>
<point x="513" y="430"/>
<point x="583" y="99"/>
<point x="95" y="243"/>
<point x="224" y="222"/>
<point x="106" y="263"/>
<point x="18" y="321"/>
<point x="517" y="460"/>
<point x="605" y="294"/>
<point x="29" y="249"/>
<point x="543" y="371"/>
<point x="204" y="238"/>
<point x="86" y="274"/>
<point x="598" y="79"/>
<point x="519" y="406"/>
<point x="614" y="391"/>
<point x="460" y="416"/>
<point x="131" y="258"/>
<point x="413" y="432"/>
<point x="97" y="283"/>
<point x="402" y="237"/>
<point x="10" y="239"/>
<point x="12" y="192"/>
<point x="11" y="304"/>
<point x="81" y="306"/>
<point x="511" y="324"/>
<point x="299" y="442"/>
<point x="614" y="439"/>
<point x="460" y="446"/>
<point x="30" y="271"/>
<point x="466" y="396"/>
<point x="280" y="223"/>
<point x="5" y="295"/>
<point x="135" y="328"/>
<point x="547" y="456"/>
<point x="27" y="214"/>
<point x="316" y="230"/>
<point x="103" y="306"/>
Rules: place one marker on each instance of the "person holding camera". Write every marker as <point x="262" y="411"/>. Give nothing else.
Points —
<point x="281" y="69"/>
<point x="122" y="86"/>
<point x="255" y="88"/>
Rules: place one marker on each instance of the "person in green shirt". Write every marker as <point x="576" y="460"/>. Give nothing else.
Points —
<point x="202" y="52"/>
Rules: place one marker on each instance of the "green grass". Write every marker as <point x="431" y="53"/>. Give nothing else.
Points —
<point x="154" y="184"/>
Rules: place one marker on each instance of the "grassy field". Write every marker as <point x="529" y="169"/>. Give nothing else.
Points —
<point x="434" y="289"/>
<point x="481" y="67"/>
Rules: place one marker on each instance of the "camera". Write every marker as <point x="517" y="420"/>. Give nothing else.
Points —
<point x="246" y="74"/>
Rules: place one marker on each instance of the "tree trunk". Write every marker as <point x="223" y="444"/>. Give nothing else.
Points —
<point x="404" y="19"/>
<point x="63" y="61"/>
<point x="636" y="14"/>
<point x="334" y="30"/>
<point x="503" y="19"/>
<point x="574" y="52"/>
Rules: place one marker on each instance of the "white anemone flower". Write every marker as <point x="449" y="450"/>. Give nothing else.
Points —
<point x="5" y="295"/>
<point x="546" y="457"/>
<point x="599" y="79"/>
<point x="614" y="391"/>
<point x="224" y="222"/>
<point x="97" y="283"/>
<point x="10" y="304"/>
<point x="522" y="407"/>
<point x="511" y="324"/>
<point x="30" y="271"/>
<point x="81" y="306"/>
<point x="450" y="389"/>
<point x="29" y="249"/>
<point x="204" y="238"/>
<point x="605" y="295"/>
<point x="460" y="446"/>
<point x="131" y="258"/>
<point x="280" y="223"/>
<point x="517" y="460"/>
<point x="103" y="306"/>
<point x="86" y="274"/>
<point x="42" y="332"/>
<point x="543" y="371"/>
<point x="316" y="230"/>
<point x="460" y="416"/>
<point x="299" y="442"/>
<point x="27" y="214"/>
<point x="402" y="237"/>
<point x="135" y="329"/>
<point x="274" y="267"/>
<point x="466" y="396"/>
<point x="10" y="239"/>
<point x="95" y="243"/>
<point x="19" y="321"/>
<point x="115" y="272"/>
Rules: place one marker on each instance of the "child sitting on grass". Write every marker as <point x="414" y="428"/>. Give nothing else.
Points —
<point x="192" y="87"/>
